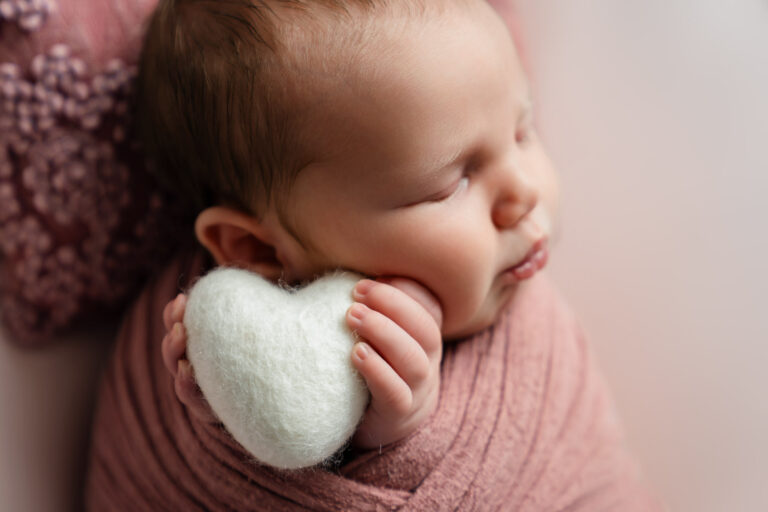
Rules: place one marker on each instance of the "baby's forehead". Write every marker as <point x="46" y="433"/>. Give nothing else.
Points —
<point x="324" y="43"/>
<point x="347" y="93"/>
<point x="331" y="53"/>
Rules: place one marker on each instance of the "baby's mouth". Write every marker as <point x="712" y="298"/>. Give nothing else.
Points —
<point x="534" y="261"/>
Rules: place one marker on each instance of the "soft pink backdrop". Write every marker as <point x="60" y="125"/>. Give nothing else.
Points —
<point x="656" y="113"/>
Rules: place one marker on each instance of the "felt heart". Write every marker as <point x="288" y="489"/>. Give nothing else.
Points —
<point x="274" y="363"/>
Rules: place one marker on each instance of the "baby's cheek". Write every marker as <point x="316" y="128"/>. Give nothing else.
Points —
<point x="464" y="296"/>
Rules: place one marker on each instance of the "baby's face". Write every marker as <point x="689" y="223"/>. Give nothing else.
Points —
<point x="431" y="168"/>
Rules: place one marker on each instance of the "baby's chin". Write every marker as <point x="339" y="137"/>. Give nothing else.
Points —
<point x="485" y="316"/>
<point x="476" y="325"/>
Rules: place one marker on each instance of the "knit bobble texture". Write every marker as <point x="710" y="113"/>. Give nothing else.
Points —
<point x="82" y="221"/>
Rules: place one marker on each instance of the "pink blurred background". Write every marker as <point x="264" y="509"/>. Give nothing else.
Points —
<point x="656" y="114"/>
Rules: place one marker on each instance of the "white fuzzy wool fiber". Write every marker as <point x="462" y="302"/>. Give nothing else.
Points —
<point x="274" y="364"/>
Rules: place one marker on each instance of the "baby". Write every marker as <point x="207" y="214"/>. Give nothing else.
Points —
<point x="392" y="138"/>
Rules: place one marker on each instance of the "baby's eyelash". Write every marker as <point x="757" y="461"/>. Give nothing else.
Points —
<point x="461" y="185"/>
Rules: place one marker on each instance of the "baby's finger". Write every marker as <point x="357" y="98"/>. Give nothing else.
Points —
<point x="174" y="346"/>
<point x="177" y="313"/>
<point x="402" y="353"/>
<point x="174" y="311"/>
<point x="190" y="395"/>
<point x="167" y="313"/>
<point x="389" y="393"/>
<point x="404" y="311"/>
<point x="419" y="293"/>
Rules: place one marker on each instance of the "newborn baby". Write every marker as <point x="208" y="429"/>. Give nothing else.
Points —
<point x="394" y="139"/>
<point x="419" y="165"/>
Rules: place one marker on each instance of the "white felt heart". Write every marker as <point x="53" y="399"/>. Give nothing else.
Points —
<point x="274" y="364"/>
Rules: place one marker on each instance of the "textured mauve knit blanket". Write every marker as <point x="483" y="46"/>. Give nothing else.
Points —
<point x="524" y="423"/>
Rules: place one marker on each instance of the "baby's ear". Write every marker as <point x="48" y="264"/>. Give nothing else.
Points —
<point x="237" y="239"/>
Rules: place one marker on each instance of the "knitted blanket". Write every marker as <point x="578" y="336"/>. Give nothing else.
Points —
<point x="524" y="423"/>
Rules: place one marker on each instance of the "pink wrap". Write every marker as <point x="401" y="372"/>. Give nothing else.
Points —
<point x="524" y="423"/>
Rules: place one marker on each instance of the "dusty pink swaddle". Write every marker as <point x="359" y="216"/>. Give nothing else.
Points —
<point x="524" y="423"/>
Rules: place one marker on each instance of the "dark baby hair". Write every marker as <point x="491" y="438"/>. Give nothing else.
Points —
<point x="220" y="107"/>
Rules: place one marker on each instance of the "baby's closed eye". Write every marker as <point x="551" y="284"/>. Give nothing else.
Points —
<point x="454" y="190"/>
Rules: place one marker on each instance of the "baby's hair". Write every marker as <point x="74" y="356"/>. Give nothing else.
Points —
<point x="219" y="103"/>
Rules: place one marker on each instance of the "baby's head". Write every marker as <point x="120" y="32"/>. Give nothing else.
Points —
<point x="388" y="137"/>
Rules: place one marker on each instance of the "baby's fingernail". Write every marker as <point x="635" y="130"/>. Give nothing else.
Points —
<point x="361" y="288"/>
<point x="361" y="351"/>
<point x="356" y="313"/>
<point x="176" y="331"/>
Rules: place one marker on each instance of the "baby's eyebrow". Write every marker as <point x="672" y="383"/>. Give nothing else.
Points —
<point x="443" y="163"/>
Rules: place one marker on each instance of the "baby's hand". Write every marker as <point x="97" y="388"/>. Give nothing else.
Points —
<point x="174" y="357"/>
<point x="399" y="357"/>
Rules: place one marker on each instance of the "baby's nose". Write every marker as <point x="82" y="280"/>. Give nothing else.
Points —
<point x="516" y="197"/>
